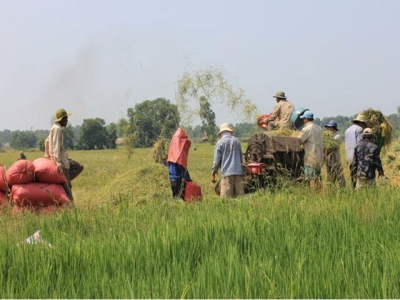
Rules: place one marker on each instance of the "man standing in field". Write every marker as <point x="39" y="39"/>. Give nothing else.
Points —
<point x="352" y="137"/>
<point x="54" y="150"/>
<point x="283" y="111"/>
<point x="228" y="156"/>
<point x="367" y="161"/>
<point x="333" y="160"/>
<point x="312" y="140"/>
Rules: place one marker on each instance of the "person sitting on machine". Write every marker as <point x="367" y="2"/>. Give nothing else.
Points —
<point x="280" y="116"/>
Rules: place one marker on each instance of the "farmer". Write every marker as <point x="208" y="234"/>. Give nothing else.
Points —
<point x="333" y="160"/>
<point x="228" y="157"/>
<point x="352" y="137"/>
<point x="177" y="163"/>
<point x="367" y="161"/>
<point x="312" y="140"/>
<point x="54" y="150"/>
<point x="283" y="110"/>
<point x="21" y="156"/>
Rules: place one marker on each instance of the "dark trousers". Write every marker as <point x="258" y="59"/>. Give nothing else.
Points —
<point x="74" y="170"/>
<point x="178" y="189"/>
<point x="353" y="174"/>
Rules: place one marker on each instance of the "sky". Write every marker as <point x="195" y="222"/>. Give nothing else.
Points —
<point x="98" y="58"/>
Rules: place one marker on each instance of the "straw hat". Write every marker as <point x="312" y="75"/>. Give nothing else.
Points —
<point x="225" y="127"/>
<point x="280" y="95"/>
<point x="61" y="113"/>
<point x="360" y="118"/>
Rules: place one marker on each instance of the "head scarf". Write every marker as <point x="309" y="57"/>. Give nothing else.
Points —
<point x="179" y="148"/>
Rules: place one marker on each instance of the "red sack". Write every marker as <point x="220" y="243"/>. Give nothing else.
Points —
<point x="22" y="171"/>
<point x="192" y="191"/>
<point x="38" y="194"/>
<point x="46" y="171"/>
<point x="262" y="118"/>
<point x="3" y="199"/>
<point x="3" y="182"/>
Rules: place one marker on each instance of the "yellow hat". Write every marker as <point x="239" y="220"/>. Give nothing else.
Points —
<point x="225" y="127"/>
<point x="360" y="118"/>
<point x="61" y="113"/>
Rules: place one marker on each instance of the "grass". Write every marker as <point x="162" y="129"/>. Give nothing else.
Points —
<point x="128" y="239"/>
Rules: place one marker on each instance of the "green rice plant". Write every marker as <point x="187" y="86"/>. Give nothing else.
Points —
<point x="127" y="238"/>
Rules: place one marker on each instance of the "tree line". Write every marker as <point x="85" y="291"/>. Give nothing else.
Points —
<point x="146" y="122"/>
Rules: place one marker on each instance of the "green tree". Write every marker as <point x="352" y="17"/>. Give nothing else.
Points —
<point x="123" y="126"/>
<point x="69" y="137"/>
<point x="207" y="116"/>
<point x="23" y="139"/>
<point x="40" y="144"/>
<point x="5" y="136"/>
<point x="150" y="120"/>
<point x="112" y="130"/>
<point x="93" y="134"/>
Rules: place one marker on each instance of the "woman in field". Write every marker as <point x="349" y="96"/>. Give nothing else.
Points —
<point x="177" y="163"/>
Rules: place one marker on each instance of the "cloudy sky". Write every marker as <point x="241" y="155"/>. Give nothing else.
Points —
<point x="98" y="58"/>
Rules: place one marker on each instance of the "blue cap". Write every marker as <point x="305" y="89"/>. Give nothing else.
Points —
<point x="333" y="124"/>
<point x="307" y="115"/>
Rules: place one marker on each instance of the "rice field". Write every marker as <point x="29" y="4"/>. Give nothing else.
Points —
<point x="128" y="239"/>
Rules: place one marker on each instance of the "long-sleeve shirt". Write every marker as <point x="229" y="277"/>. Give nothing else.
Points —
<point x="228" y="156"/>
<point x="178" y="172"/>
<point x="283" y="109"/>
<point x="352" y="136"/>
<point x="312" y="140"/>
<point x="367" y="160"/>
<point x="55" y="146"/>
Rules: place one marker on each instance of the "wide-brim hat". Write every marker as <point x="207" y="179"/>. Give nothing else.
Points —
<point x="332" y="124"/>
<point x="360" y="118"/>
<point x="225" y="127"/>
<point x="60" y="114"/>
<point x="280" y="95"/>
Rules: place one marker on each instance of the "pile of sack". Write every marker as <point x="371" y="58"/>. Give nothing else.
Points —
<point x="35" y="186"/>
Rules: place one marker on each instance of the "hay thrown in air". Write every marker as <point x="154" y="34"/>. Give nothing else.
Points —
<point x="378" y="123"/>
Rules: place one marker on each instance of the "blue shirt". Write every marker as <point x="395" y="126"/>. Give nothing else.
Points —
<point x="228" y="156"/>
<point x="177" y="172"/>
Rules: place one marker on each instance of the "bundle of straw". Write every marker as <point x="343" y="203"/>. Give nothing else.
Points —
<point x="283" y="132"/>
<point x="160" y="150"/>
<point x="329" y="142"/>
<point x="379" y="123"/>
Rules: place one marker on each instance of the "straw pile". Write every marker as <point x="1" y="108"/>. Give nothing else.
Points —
<point x="283" y="132"/>
<point x="392" y="164"/>
<point x="139" y="185"/>
<point x="329" y="142"/>
<point x="160" y="150"/>
<point x="378" y="122"/>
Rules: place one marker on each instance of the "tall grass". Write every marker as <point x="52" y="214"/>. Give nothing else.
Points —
<point x="138" y="243"/>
